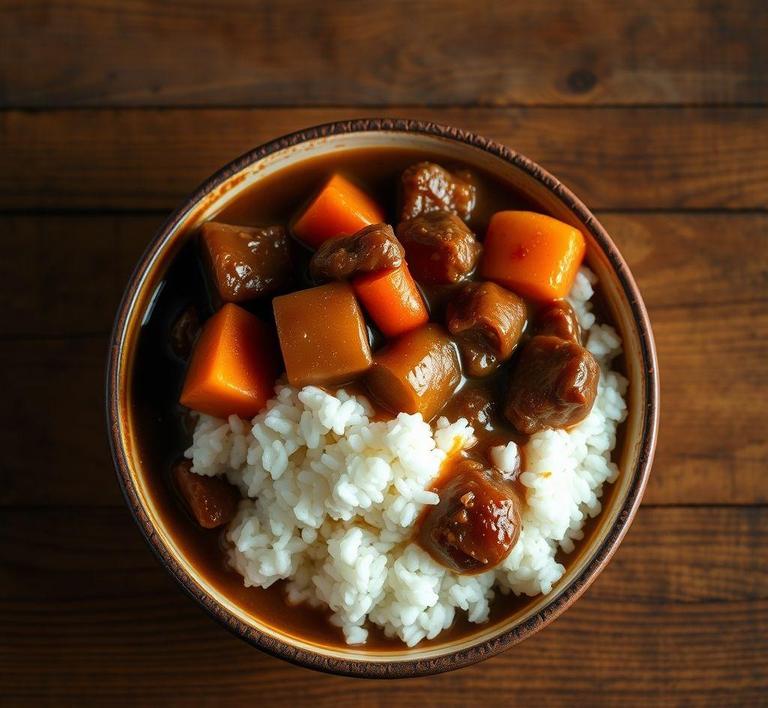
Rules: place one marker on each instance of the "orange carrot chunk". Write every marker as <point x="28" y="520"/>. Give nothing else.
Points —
<point x="532" y="254"/>
<point x="339" y="208"/>
<point x="392" y="300"/>
<point x="233" y="366"/>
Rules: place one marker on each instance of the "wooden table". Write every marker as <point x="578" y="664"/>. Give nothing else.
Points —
<point x="656" y="114"/>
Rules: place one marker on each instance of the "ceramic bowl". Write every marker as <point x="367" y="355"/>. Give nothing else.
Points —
<point x="623" y="300"/>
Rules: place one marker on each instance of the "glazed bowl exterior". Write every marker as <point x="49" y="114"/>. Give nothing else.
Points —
<point x="626" y="309"/>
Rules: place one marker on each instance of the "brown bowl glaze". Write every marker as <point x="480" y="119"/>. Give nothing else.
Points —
<point x="619" y="291"/>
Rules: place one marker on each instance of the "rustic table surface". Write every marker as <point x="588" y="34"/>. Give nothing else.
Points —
<point x="656" y="114"/>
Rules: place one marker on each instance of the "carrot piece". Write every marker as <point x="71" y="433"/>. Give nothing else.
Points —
<point x="392" y="300"/>
<point x="233" y="366"/>
<point x="339" y="208"/>
<point x="532" y="254"/>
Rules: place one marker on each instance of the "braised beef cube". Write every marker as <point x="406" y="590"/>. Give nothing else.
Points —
<point x="559" y="320"/>
<point x="475" y="404"/>
<point x="211" y="500"/>
<point x="429" y="187"/>
<point x="439" y="247"/>
<point x="246" y="262"/>
<point x="184" y="332"/>
<point x="322" y="335"/>
<point x="487" y="321"/>
<point x="372" y="249"/>
<point x="475" y="524"/>
<point x="553" y="385"/>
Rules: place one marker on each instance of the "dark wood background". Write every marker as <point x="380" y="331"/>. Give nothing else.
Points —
<point x="655" y="113"/>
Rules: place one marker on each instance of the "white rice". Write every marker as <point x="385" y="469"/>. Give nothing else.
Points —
<point x="330" y="499"/>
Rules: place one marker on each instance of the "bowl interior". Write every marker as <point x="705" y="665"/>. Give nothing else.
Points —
<point x="620" y="299"/>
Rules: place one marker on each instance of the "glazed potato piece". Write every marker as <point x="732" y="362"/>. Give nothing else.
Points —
<point x="475" y="524"/>
<point x="211" y="500"/>
<point x="416" y="373"/>
<point x="372" y="249"/>
<point x="429" y="187"/>
<point x="439" y="247"/>
<point x="559" y="320"/>
<point x="553" y="385"/>
<point x="487" y="321"/>
<point x="322" y="335"/>
<point x="246" y="262"/>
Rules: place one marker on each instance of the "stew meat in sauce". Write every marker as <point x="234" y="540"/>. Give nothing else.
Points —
<point x="425" y="321"/>
<point x="477" y="520"/>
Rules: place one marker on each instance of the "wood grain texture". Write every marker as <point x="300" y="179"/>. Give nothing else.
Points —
<point x="284" y="52"/>
<point x="639" y="107"/>
<point x="613" y="158"/>
<point x="88" y="616"/>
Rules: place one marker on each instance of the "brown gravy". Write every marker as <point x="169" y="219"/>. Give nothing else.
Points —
<point x="165" y="430"/>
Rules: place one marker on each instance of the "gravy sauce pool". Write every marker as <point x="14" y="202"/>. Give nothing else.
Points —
<point x="165" y="427"/>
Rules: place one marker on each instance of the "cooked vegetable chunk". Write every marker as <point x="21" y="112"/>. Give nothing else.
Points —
<point x="322" y="335"/>
<point x="559" y="320"/>
<point x="532" y="254"/>
<point x="429" y="187"/>
<point x="439" y="247"/>
<point x="553" y="385"/>
<point x="246" y="262"/>
<point x="341" y="208"/>
<point x="372" y="249"/>
<point x="415" y="373"/>
<point x="233" y="366"/>
<point x="392" y="300"/>
<point x="487" y="321"/>
<point x="211" y="500"/>
<point x="475" y="524"/>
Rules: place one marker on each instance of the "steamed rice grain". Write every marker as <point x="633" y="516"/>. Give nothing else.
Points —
<point x="330" y="499"/>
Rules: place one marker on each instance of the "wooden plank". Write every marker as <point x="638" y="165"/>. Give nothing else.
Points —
<point x="692" y="260"/>
<point x="614" y="159"/>
<point x="87" y="615"/>
<point x="711" y="451"/>
<point x="679" y="260"/>
<point x="70" y="272"/>
<point x="281" y="53"/>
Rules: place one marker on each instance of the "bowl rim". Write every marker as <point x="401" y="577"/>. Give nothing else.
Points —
<point x="281" y="647"/>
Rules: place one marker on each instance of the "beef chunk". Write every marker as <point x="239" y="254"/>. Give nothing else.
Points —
<point x="487" y="321"/>
<point x="475" y="524"/>
<point x="246" y="262"/>
<point x="211" y="500"/>
<point x="184" y="332"/>
<point x="559" y="320"/>
<point x="429" y="187"/>
<point x="439" y="247"/>
<point x="553" y="385"/>
<point x="371" y="249"/>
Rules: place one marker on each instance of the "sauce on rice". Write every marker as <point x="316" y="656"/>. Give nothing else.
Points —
<point x="161" y="359"/>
